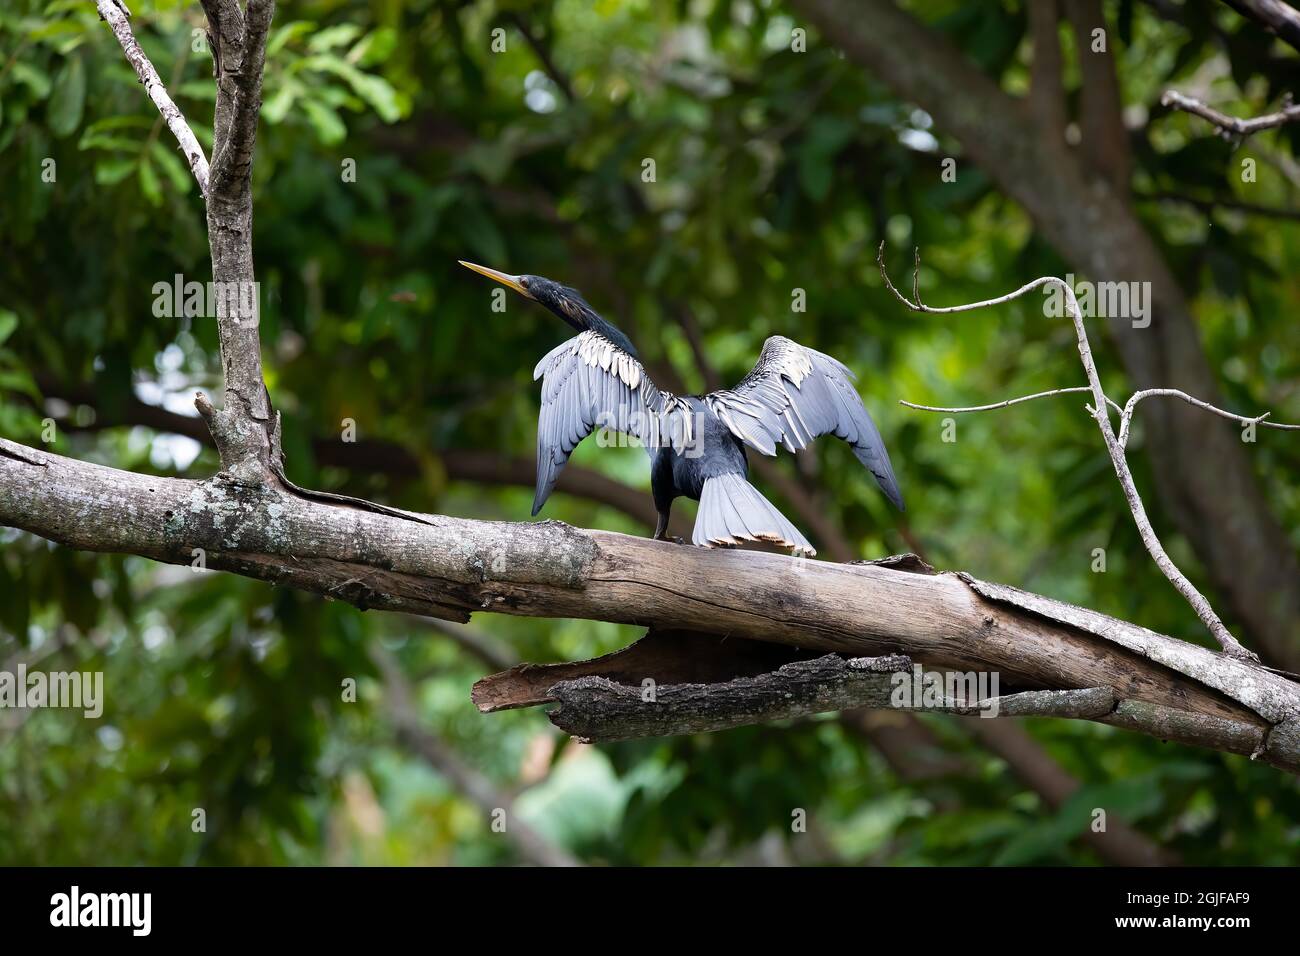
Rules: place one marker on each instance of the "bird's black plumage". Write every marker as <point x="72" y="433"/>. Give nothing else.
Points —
<point x="696" y="443"/>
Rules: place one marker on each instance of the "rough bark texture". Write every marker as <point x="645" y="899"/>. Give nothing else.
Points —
<point x="245" y="428"/>
<point x="448" y="567"/>
<point x="596" y="708"/>
<point x="1219" y="509"/>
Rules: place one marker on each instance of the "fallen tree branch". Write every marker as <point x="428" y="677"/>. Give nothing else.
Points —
<point x="448" y="567"/>
<point x="1099" y="411"/>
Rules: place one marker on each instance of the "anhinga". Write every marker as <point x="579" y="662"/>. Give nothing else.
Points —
<point x="697" y="442"/>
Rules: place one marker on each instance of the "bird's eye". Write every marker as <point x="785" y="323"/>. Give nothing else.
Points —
<point x="523" y="281"/>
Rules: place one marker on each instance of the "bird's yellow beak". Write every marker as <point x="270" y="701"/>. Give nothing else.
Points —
<point x="507" y="280"/>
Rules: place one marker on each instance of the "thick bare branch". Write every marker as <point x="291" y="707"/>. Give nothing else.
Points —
<point x="448" y="567"/>
<point x="245" y="428"/>
<point x="232" y="159"/>
<point x="596" y="708"/>
<point x="115" y="13"/>
<point x="1100" y="413"/>
<point x="374" y="456"/>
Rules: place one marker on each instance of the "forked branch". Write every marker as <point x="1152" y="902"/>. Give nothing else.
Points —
<point x="1115" y="444"/>
<point x="1232" y="127"/>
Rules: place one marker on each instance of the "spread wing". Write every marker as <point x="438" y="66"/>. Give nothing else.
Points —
<point x="589" y="383"/>
<point x="794" y="394"/>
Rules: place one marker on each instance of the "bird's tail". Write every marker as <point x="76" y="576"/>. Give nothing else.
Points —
<point x="732" y="510"/>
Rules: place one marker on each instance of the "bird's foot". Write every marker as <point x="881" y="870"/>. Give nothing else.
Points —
<point x="672" y="538"/>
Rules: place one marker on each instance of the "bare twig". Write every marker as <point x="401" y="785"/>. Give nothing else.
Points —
<point x="115" y="13"/>
<point x="1231" y="127"/>
<point x="1008" y="403"/>
<point x="1127" y="415"/>
<point x="1099" y="410"/>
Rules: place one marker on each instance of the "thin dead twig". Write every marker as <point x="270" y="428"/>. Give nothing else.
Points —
<point x="1099" y="410"/>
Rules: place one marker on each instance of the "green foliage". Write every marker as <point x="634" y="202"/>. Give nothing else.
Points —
<point x="775" y="170"/>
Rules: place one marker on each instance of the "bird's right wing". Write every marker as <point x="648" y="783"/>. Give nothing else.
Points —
<point x="589" y="383"/>
<point x="792" y="395"/>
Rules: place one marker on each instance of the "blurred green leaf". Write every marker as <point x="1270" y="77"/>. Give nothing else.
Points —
<point x="68" y="98"/>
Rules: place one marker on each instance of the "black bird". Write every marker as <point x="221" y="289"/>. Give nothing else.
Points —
<point x="697" y="442"/>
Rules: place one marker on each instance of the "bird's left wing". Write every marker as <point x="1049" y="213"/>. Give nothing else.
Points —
<point x="589" y="383"/>
<point x="794" y="394"/>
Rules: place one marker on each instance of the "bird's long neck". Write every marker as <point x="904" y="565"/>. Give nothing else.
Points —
<point x="574" y="310"/>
